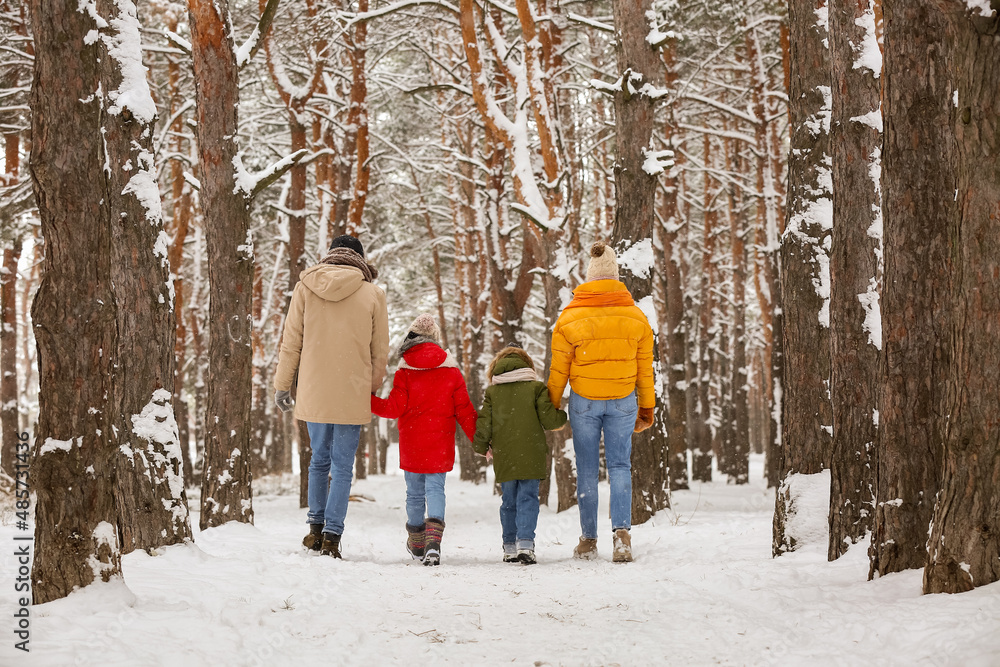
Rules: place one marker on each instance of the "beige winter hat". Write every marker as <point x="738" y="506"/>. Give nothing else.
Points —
<point x="603" y="264"/>
<point x="425" y="326"/>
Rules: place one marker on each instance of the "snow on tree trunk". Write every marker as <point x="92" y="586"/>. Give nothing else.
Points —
<point x="635" y="193"/>
<point x="805" y="284"/>
<point x="226" y="480"/>
<point x="855" y="258"/>
<point x="918" y="192"/>
<point x="965" y="534"/>
<point x="149" y="487"/>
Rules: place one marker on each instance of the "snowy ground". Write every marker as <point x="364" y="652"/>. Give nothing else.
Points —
<point x="703" y="590"/>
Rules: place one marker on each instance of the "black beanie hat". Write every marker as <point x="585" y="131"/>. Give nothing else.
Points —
<point x="350" y="242"/>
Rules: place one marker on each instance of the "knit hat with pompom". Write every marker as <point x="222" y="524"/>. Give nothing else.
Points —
<point x="603" y="264"/>
<point x="425" y="326"/>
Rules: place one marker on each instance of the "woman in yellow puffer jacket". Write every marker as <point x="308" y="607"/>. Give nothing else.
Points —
<point x="602" y="345"/>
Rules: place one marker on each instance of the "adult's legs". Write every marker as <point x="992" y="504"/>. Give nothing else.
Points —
<point x="320" y="439"/>
<point x="585" y="420"/>
<point x="342" y="451"/>
<point x="415" y="497"/>
<point x="619" y="423"/>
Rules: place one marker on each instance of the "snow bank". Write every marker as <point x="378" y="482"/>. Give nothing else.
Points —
<point x="703" y="590"/>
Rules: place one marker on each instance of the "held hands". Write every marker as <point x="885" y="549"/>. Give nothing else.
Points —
<point x="283" y="399"/>
<point x="488" y="455"/>
<point x="643" y="420"/>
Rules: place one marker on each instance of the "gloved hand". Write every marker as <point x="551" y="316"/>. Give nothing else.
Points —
<point x="283" y="399"/>
<point x="643" y="420"/>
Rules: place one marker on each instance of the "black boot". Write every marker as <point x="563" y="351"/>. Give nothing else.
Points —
<point x="314" y="540"/>
<point x="434" y="529"/>
<point x="331" y="545"/>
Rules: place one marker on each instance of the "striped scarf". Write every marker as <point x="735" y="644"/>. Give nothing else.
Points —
<point x="347" y="257"/>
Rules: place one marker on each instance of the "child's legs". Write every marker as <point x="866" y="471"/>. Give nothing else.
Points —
<point x="508" y="511"/>
<point x="415" y="494"/>
<point x="527" y="512"/>
<point x="434" y="485"/>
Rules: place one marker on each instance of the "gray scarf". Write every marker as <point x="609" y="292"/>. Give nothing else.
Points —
<point x="347" y="257"/>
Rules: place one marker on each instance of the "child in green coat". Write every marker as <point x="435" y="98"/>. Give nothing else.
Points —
<point x="516" y="413"/>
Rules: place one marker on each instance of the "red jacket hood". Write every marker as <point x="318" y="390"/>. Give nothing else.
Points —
<point x="424" y="356"/>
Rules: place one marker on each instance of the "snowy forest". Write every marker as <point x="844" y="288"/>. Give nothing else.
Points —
<point x="804" y="199"/>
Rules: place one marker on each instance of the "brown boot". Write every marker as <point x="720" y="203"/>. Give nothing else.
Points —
<point x="314" y="540"/>
<point x="623" y="547"/>
<point x="586" y="549"/>
<point x="416" y="540"/>
<point x="331" y="545"/>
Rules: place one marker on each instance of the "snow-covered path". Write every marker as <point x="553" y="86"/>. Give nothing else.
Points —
<point x="703" y="590"/>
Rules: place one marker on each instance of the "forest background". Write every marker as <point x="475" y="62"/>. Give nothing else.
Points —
<point x="477" y="149"/>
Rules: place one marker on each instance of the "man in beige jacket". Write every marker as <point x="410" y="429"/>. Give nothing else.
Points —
<point x="336" y="337"/>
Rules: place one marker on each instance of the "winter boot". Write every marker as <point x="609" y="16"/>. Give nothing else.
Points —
<point x="314" y="539"/>
<point x="331" y="545"/>
<point x="526" y="556"/>
<point x="586" y="549"/>
<point x="623" y="547"/>
<point x="433" y="529"/>
<point x="416" y="541"/>
<point x="510" y="552"/>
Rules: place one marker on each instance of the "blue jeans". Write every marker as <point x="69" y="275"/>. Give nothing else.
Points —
<point x="333" y="450"/>
<point x="519" y="512"/>
<point x="616" y="417"/>
<point x="424" y="490"/>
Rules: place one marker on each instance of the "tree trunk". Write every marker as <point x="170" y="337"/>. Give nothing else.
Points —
<point x="965" y="533"/>
<point x="918" y="198"/>
<point x="805" y="285"/>
<point x="180" y="226"/>
<point x="635" y="195"/>
<point x="739" y="442"/>
<point x="149" y="490"/>
<point x="703" y="434"/>
<point x="72" y="474"/>
<point x="226" y="482"/>
<point x="855" y="321"/>
<point x="9" y="411"/>
<point x="677" y="466"/>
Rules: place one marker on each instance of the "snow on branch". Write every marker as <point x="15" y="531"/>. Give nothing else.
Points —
<point x="657" y="162"/>
<point x="177" y="41"/>
<point x="253" y="184"/>
<point x="721" y="106"/>
<point x="656" y="37"/>
<point x="395" y="7"/>
<point x="249" y="49"/>
<point x="604" y="27"/>
<point x="627" y="83"/>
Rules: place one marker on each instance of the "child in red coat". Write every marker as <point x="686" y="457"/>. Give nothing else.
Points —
<point x="428" y="396"/>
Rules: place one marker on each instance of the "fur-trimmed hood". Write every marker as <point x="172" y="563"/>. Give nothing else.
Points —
<point x="509" y="352"/>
